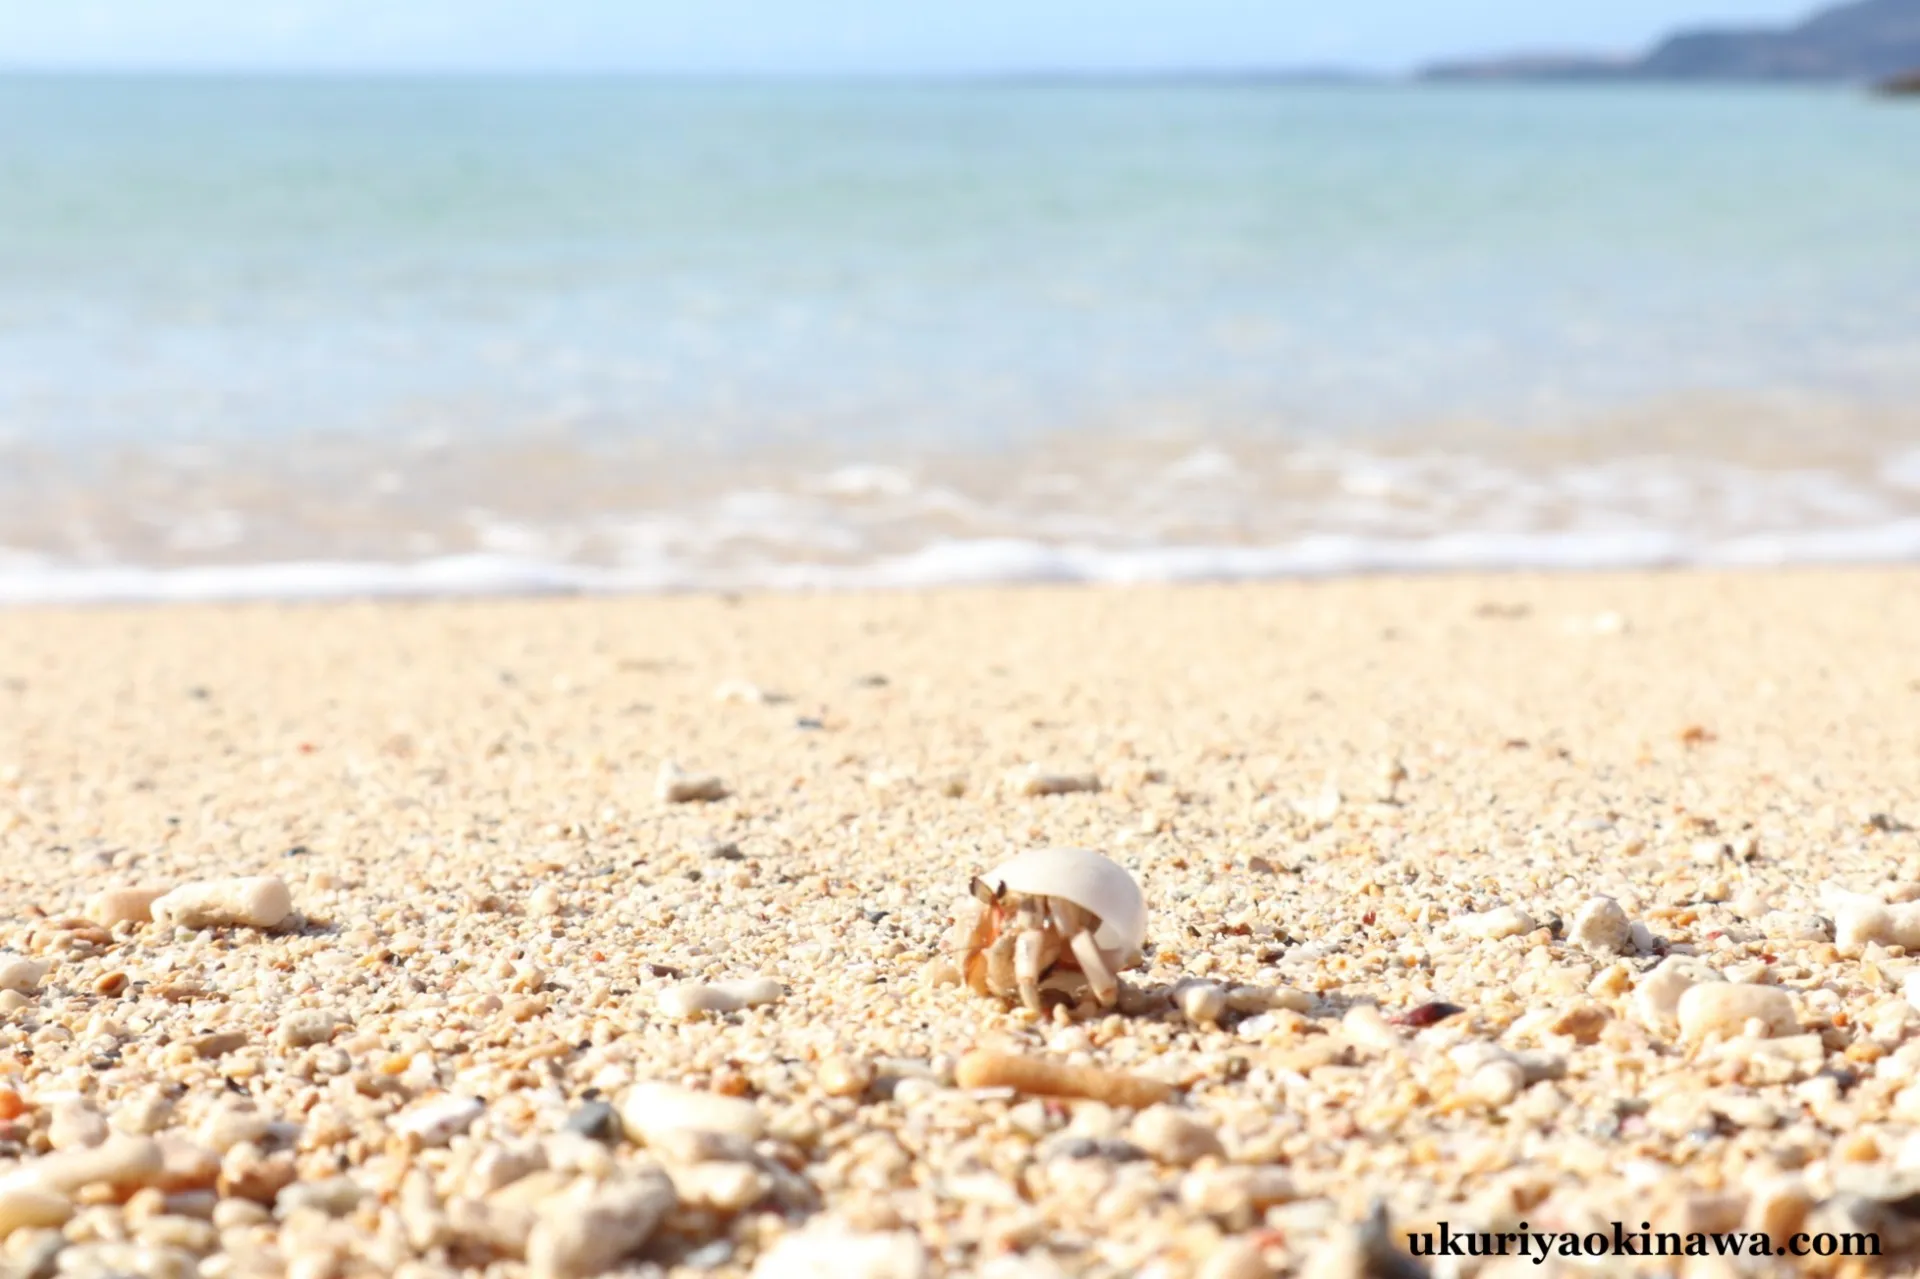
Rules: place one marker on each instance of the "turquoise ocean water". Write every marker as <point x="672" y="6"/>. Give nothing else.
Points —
<point x="329" y="335"/>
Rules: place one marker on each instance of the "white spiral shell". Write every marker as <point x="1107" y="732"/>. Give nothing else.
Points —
<point x="1087" y="879"/>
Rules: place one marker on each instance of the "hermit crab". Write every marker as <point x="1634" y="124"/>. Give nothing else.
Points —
<point x="1050" y="909"/>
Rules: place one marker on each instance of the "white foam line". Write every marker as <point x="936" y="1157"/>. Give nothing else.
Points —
<point x="450" y="576"/>
<point x="984" y="562"/>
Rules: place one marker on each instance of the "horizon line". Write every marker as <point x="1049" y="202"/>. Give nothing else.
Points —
<point x="1321" y="73"/>
<point x="1435" y="75"/>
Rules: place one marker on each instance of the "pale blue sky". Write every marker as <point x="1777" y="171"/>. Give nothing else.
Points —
<point x="861" y="36"/>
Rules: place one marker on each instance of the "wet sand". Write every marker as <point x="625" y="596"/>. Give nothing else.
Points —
<point x="1346" y="802"/>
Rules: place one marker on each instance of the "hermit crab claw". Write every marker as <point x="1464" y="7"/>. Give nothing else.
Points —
<point x="1046" y="911"/>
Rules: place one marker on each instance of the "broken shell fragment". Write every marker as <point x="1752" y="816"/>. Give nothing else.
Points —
<point x="676" y="786"/>
<point x="1042" y="1077"/>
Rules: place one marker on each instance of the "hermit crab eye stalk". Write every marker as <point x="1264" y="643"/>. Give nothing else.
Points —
<point x="1076" y="911"/>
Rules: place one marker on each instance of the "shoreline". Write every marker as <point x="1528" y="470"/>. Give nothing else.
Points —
<point x="936" y="568"/>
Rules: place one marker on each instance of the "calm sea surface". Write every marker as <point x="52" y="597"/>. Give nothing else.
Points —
<point x="320" y="336"/>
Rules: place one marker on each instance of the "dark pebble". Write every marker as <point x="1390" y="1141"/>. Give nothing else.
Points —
<point x="1110" y="1149"/>
<point x="1428" y="1014"/>
<point x="596" y="1119"/>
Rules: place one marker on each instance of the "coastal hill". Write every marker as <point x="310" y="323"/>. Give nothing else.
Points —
<point x="1869" y="40"/>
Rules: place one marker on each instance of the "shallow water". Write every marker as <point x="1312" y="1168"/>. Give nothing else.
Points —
<point x="281" y="337"/>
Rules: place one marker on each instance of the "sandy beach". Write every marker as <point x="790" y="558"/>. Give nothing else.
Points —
<point x="459" y="1041"/>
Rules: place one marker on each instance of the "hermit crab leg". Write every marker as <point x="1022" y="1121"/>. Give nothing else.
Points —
<point x="1000" y="964"/>
<point x="1065" y="917"/>
<point x="1028" y="952"/>
<point x="1106" y="987"/>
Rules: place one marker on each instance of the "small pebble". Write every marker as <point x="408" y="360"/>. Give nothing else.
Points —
<point x="1324" y="806"/>
<point x="1783" y="925"/>
<point x="674" y="786"/>
<point x="831" y="1251"/>
<point x="1235" y="1259"/>
<point x="258" y="902"/>
<point x="939" y="973"/>
<point x="231" y="1126"/>
<point x="1173" y="1136"/>
<point x="1582" y="1022"/>
<point x="1107" y="1149"/>
<point x="693" y="999"/>
<point x="1033" y="782"/>
<point x="497" y="1167"/>
<point x="1203" y="1002"/>
<point x="183" y="1233"/>
<point x="111" y="906"/>
<point x="439" y="1121"/>
<point x="649" y="1110"/>
<point x="1503" y="921"/>
<point x="24" y="1206"/>
<point x="1780" y="1206"/>
<point x="596" y="1120"/>
<point x="336" y="1198"/>
<point x="208" y="1047"/>
<point x="745" y="692"/>
<point x="841" y="1076"/>
<point x="34" y="1252"/>
<point x="1496" y="1083"/>
<point x="76" y="1125"/>
<point x="1601" y="927"/>
<point x="1364" y="1025"/>
<point x="306" y="1027"/>
<point x="697" y="1146"/>
<point x="248" y="1172"/>
<point x="592" y="1228"/>
<point x="21" y="975"/>
<point x="1729" y="1009"/>
<point x="1704" y="1214"/>
<point x="119" y="1161"/>
<point x="1859" y="922"/>
<point x="1431" y="1013"/>
<point x="1236" y="1190"/>
<point x="238" y="1214"/>
<point x="110" y="1260"/>
<point x="1371" y="1250"/>
<point x="144" y="1114"/>
<point x="727" y="1187"/>
<point x="1656" y="997"/>
<point x="710" y="1256"/>
<point x="1266" y="999"/>
<point x="575" y="1154"/>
